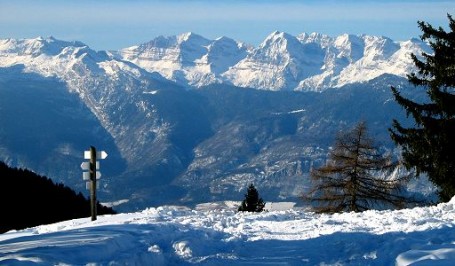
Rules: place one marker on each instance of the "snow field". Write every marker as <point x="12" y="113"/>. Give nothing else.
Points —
<point x="173" y="235"/>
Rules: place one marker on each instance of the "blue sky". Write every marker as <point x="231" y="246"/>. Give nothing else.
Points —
<point x="117" y="24"/>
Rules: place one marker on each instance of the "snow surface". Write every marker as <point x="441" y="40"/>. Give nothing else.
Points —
<point x="214" y="234"/>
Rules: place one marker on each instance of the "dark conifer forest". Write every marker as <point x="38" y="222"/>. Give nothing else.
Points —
<point x="27" y="199"/>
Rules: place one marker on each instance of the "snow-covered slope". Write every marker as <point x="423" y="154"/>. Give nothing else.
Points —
<point x="171" y="235"/>
<point x="282" y="62"/>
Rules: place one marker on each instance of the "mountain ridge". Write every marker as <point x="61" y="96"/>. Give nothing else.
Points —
<point x="286" y="62"/>
<point x="281" y="62"/>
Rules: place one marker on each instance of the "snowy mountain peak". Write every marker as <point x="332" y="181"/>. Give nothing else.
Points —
<point x="279" y="63"/>
<point x="37" y="46"/>
<point x="193" y="38"/>
<point x="416" y="46"/>
<point x="313" y="37"/>
<point x="380" y="47"/>
<point x="223" y="53"/>
<point x="279" y="48"/>
<point x="223" y="40"/>
<point x="347" y="39"/>
<point x="321" y="40"/>
<point x="191" y="47"/>
<point x="349" y="46"/>
<point x="188" y="58"/>
<point x="168" y="42"/>
<point x="278" y="38"/>
<point x="159" y="42"/>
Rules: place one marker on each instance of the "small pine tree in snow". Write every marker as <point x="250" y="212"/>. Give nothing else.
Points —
<point x="252" y="202"/>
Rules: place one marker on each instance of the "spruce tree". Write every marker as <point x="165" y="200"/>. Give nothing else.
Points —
<point x="429" y="147"/>
<point x="252" y="201"/>
<point x="356" y="176"/>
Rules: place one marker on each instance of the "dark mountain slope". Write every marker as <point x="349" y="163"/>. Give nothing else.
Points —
<point x="27" y="199"/>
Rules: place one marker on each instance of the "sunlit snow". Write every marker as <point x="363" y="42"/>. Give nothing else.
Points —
<point x="215" y="234"/>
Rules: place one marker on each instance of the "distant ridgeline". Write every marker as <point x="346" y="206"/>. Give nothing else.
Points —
<point x="27" y="200"/>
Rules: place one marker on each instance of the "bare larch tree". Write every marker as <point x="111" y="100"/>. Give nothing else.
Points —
<point x="356" y="177"/>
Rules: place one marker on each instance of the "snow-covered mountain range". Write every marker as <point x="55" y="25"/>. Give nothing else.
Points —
<point x="282" y="62"/>
<point x="168" y="142"/>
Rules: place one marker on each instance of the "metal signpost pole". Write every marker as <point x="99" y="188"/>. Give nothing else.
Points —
<point x="92" y="175"/>
<point x="93" y="182"/>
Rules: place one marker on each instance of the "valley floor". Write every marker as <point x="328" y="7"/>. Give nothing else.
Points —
<point x="211" y="235"/>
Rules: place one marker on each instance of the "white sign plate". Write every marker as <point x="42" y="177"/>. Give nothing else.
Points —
<point x="86" y="175"/>
<point x="88" y="185"/>
<point x="101" y="155"/>
<point x="86" y="165"/>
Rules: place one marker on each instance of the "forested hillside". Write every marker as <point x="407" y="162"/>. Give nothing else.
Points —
<point x="27" y="199"/>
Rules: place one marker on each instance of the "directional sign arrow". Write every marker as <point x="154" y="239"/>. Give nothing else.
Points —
<point x="86" y="175"/>
<point x="86" y="165"/>
<point x="101" y="155"/>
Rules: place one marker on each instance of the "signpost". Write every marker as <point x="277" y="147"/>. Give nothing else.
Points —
<point x="92" y="175"/>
